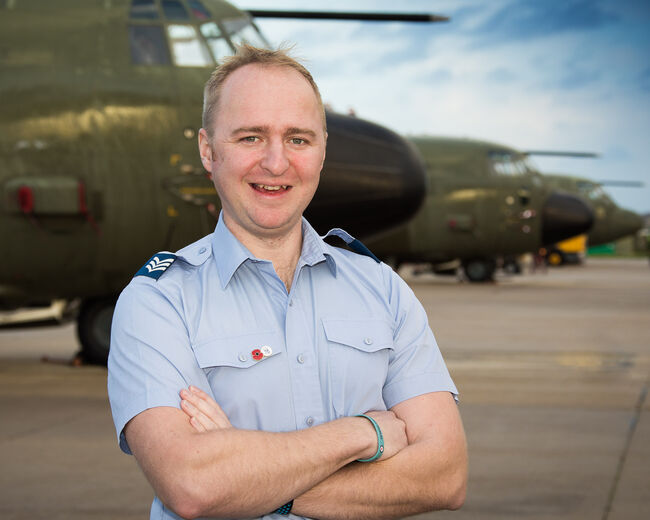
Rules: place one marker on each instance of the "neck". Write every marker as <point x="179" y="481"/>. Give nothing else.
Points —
<point x="282" y="250"/>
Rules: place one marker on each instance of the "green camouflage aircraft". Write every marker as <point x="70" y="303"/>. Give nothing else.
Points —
<point x="611" y="222"/>
<point x="484" y="202"/>
<point x="99" y="166"/>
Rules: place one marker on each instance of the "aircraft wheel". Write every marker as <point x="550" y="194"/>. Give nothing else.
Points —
<point x="94" y="329"/>
<point x="479" y="269"/>
<point x="511" y="266"/>
<point x="555" y="258"/>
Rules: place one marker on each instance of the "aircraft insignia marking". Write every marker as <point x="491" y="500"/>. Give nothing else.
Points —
<point x="157" y="265"/>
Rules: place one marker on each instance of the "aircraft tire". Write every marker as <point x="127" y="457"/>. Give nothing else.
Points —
<point x="94" y="329"/>
<point x="479" y="269"/>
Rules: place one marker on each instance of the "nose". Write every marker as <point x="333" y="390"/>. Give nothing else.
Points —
<point x="274" y="159"/>
<point x="631" y="222"/>
<point x="564" y="216"/>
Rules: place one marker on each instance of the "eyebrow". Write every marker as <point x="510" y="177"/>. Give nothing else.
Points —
<point x="265" y="129"/>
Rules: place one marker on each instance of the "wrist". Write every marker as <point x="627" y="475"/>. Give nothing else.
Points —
<point x="379" y="451"/>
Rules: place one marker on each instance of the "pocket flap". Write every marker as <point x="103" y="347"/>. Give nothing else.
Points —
<point x="366" y="335"/>
<point x="241" y="351"/>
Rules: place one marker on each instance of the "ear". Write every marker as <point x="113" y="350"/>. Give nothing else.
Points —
<point x="324" y="152"/>
<point x="205" y="150"/>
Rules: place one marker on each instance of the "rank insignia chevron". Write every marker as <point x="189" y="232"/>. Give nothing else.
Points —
<point x="156" y="265"/>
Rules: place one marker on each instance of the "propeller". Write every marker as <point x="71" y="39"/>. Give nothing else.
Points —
<point x="622" y="184"/>
<point x="554" y="153"/>
<point x="331" y="15"/>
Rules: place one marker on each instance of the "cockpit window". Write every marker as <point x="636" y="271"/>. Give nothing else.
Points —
<point x="187" y="48"/>
<point x="215" y="39"/>
<point x="506" y="163"/>
<point x="241" y="31"/>
<point x="174" y="10"/>
<point x="198" y="10"/>
<point x="144" y="9"/>
<point x="591" y="190"/>
<point x="162" y="32"/>
<point x="148" y="45"/>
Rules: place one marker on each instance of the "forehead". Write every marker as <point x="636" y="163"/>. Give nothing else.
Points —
<point x="267" y="91"/>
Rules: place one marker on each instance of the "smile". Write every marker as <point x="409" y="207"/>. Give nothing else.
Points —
<point x="266" y="187"/>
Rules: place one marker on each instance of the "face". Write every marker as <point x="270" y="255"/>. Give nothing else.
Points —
<point x="267" y="150"/>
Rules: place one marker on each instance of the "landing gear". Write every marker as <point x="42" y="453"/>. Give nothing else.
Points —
<point x="511" y="265"/>
<point x="94" y="329"/>
<point x="479" y="269"/>
<point x="555" y="257"/>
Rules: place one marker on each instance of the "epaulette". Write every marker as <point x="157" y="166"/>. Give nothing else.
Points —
<point x="356" y="245"/>
<point x="157" y="265"/>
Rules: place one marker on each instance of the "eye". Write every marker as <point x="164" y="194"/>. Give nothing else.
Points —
<point x="298" y="140"/>
<point x="250" y="139"/>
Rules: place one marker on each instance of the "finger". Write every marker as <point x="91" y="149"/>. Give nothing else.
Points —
<point x="208" y="420"/>
<point x="197" y="425"/>
<point x="208" y="406"/>
<point x="198" y="415"/>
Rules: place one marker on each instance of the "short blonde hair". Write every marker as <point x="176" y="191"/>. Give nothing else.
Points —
<point x="247" y="55"/>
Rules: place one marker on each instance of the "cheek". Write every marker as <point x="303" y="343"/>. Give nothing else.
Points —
<point x="308" y="167"/>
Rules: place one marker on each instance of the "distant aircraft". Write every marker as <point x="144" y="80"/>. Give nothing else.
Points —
<point x="611" y="221"/>
<point x="484" y="201"/>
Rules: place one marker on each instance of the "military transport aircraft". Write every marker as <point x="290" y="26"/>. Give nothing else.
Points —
<point x="99" y="165"/>
<point x="484" y="201"/>
<point x="611" y="222"/>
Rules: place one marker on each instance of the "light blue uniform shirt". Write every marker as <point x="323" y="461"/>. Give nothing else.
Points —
<point x="349" y="337"/>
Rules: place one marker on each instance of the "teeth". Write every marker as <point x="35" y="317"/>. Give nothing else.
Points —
<point x="271" y="188"/>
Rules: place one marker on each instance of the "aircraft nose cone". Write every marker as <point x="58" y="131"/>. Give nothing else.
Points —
<point x="564" y="216"/>
<point x="631" y="222"/>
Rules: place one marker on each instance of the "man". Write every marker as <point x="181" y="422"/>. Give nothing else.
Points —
<point x="238" y="366"/>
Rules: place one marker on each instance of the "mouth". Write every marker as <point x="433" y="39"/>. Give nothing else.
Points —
<point x="268" y="188"/>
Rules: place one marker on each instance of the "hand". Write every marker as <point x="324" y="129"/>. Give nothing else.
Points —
<point x="392" y="429"/>
<point x="204" y="413"/>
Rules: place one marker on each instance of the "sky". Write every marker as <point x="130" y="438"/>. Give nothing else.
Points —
<point x="531" y="74"/>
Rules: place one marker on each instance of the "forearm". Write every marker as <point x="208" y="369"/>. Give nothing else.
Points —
<point x="240" y="473"/>
<point x="253" y="473"/>
<point x="420" y="478"/>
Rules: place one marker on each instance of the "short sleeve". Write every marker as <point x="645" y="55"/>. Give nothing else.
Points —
<point x="150" y="358"/>
<point x="416" y="365"/>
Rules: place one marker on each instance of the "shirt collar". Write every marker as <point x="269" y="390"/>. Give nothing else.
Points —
<point x="229" y="253"/>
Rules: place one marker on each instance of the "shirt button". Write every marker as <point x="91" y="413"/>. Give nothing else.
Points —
<point x="266" y="350"/>
<point x="202" y="250"/>
<point x="290" y="303"/>
<point x="368" y="341"/>
<point x="301" y="358"/>
<point x="242" y="357"/>
<point x="309" y="421"/>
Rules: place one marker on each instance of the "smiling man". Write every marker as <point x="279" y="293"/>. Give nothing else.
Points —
<point x="261" y="372"/>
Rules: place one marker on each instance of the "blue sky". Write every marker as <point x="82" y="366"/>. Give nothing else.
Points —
<point x="551" y="74"/>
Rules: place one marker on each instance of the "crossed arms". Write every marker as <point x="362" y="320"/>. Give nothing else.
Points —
<point x="199" y="465"/>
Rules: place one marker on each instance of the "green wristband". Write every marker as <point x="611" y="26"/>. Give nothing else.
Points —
<point x="380" y="439"/>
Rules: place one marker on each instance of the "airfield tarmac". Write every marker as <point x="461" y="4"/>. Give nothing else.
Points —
<point x="553" y="371"/>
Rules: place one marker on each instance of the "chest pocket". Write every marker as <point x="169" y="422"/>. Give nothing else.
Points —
<point x="248" y="376"/>
<point x="359" y="353"/>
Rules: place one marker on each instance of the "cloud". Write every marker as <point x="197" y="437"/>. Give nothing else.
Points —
<point x="526" y="74"/>
<point x="530" y="19"/>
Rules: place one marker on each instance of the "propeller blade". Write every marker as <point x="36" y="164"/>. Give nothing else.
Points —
<point x="331" y="15"/>
<point x="553" y="153"/>
<point x="622" y="184"/>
